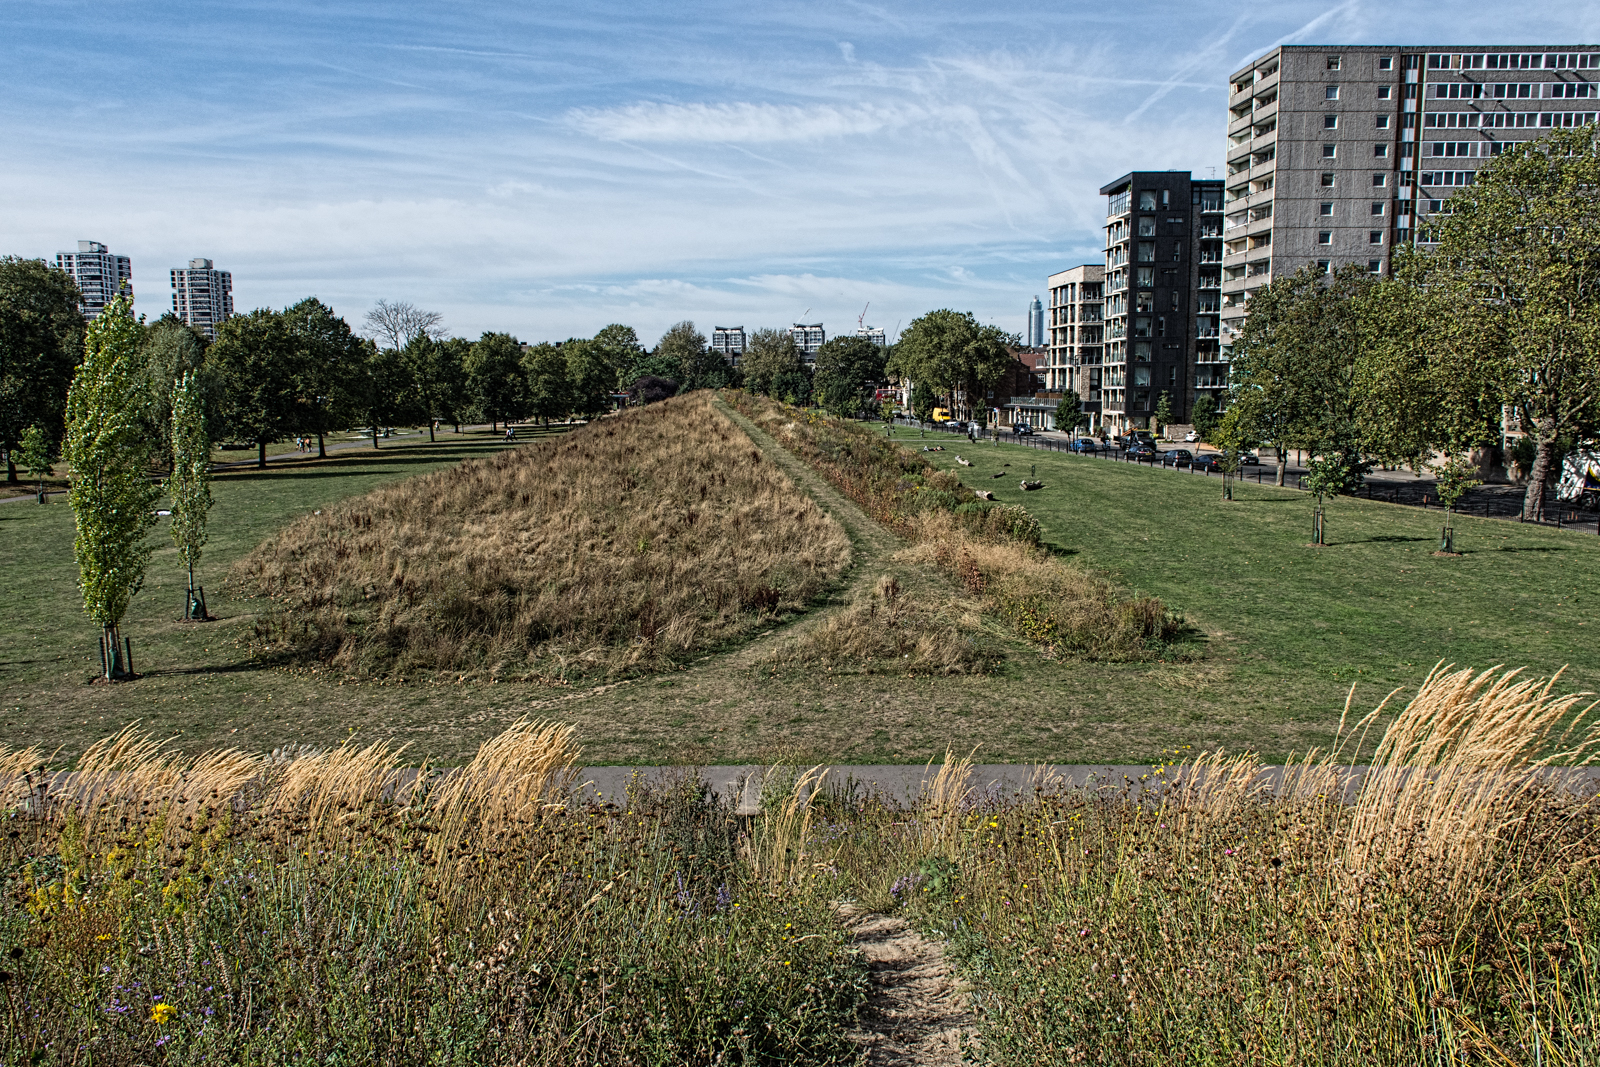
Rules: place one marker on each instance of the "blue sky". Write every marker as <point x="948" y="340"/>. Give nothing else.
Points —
<point x="549" y="168"/>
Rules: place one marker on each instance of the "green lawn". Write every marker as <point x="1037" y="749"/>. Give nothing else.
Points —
<point x="1376" y="605"/>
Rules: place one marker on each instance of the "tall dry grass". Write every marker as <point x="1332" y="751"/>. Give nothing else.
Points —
<point x="628" y="544"/>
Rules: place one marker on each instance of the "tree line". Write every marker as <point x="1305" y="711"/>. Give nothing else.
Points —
<point x="1492" y="324"/>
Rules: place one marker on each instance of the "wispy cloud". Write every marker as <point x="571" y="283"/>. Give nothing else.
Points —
<point x="734" y="123"/>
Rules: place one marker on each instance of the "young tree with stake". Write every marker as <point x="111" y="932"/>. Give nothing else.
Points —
<point x="34" y="455"/>
<point x="112" y="498"/>
<point x="190" y="483"/>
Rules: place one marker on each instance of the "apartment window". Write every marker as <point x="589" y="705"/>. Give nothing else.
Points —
<point x="1161" y="326"/>
<point x="1377" y="207"/>
<point x="1175" y="301"/>
<point x="1385" y="92"/>
<point x="1147" y="200"/>
<point x="1325" y="266"/>
<point x="1147" y="226"/>
<point x="1381" y="122"/>
<point x="1147" y="277"/>
<point x="1331" y="93"/>
<point x="1330" y="122"/>
<point x="1379" y="181"/>
<point x="1374" y="266"/>
<point x="1325" y="237"/>
<point x="1375" y="237"/>
<point x="1333" y="62"/>
<point x="1380" y="151"/>
<point x="1147" y="251"/>
<point x="1141" y="351"/>
<point x="1386" y="62"/>
<point x="1144" y="302"/>
<point x="1177" y="253"/>
<point x="1329" y="151"/>
<point x="1141" y="326"/>
<point x="1327" y="208"/>
<point x="1327" y="179"/>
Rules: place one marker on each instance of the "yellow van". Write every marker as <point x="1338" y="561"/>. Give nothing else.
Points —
<point x="941" y="415"/>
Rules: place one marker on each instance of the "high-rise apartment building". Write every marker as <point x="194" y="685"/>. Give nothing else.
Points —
<point x="808" y="337"/>
<point x="874" y="334"/>
<point x="730" y="341"/>
<point x="1162" y="281"/>
<point x="1336" y="154"/>
<point x="1076" y="326"/>
<point x="1035" y="335"/>
<point x="99" y="274"/>
<point x="202" y="296"/>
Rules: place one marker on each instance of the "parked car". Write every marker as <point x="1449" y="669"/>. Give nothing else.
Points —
<point x="1177" y="457"/>
<point x="1086" y="444"/>
<point x="1022" y="429"/>
<point x="1208" y="461"/>
<point x="1141" y="450"/>
<point x="1191" y="437"/>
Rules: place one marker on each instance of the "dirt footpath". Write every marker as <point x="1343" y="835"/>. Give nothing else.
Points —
<point x="917" y="1011"/>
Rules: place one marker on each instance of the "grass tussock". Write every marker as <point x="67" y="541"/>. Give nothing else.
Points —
<point x="990" y="550"/>
<point x="890" y="631"/>
<point x="627" y="545"/>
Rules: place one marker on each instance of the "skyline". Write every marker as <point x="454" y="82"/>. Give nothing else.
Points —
<point x="549" y="174"/>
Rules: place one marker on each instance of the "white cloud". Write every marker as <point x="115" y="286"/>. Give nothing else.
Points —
<point x="736" y="123"/>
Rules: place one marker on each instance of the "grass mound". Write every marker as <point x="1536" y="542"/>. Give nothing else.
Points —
<point x="629" y="544"/>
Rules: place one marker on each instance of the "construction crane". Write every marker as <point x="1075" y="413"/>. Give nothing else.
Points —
<point x="861" y="319"/>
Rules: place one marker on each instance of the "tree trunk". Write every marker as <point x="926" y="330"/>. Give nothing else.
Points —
<point x="374" y="435"/>
<point x="261" y="455"/>
<point x="1544" y="454"/>
<point x="1283" y="464"/>
<point x="322" y="446"/>
<point x="494" y="424"/>
<point x="431" y="438"/>
<point x="11" y="466"/>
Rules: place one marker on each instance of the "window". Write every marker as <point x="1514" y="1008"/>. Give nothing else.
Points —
<point x="1177" y="253"/>
<point x="1141" y="326"/>
<point x="1385" y="92"/>
<point x="1141" y="351"/>
<point x="1380" y="151"/>
<point x="1331" y="93"/>
<point x="1381" y="122"/>
<point x="1176" y="299"/>
<point x="1146" y="277"/>
<point x="1144" y="302"/>
<point x="1147" y="226"/>
<point x="1147" y="200"/>
<point x="1327" y="208"/>
<point x="1161" y="325"/>
<point x="1327" y="179"/>
<point x="1325" y="266"/>
<point x="1147" y="251"/>
<point x="1333" y="62"/>
<point x="1374" y="266"/>
<point x="1325" y="237"/>
<point x="1329" y="151"/>
<point x="1386" y="62"/>
<point x="1375" y="237"/>
<point x="1141" y="376"/>
<point x="1330" y="122"/>
<point x="1379" y="181"/>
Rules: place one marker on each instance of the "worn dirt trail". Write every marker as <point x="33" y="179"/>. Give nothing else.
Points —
<point x="917" y="1012"/>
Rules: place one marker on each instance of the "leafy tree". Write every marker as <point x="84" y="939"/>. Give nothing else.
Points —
<point x="618" y="346"/>
<point x="431" y="367"/>
<point x="591" y="376"/>
<point x="495" y="383"/>
<point x="329" y="364"/>
<point x="923" y="401"/>
<point x="451" y="392"/>
<point x="1069" y="413"/>
<point x="1163" y="410"/>
<point x="190" y="481"/>
<point x="696" y="366"/>
<point x="953" y="353"/>
<point x="393" y="323"/>
<point x="1205" y="416"/>
<point x="387" y="392"/>
<point x="111" y="496"/>
<point x="549" y="388"/>
<point x="1457" y="477"/>
<point x="770" y="357"/>
<point x="34" y="454"/>
<point x="169" y="350"/>
<point x="847" y="371"/>
<point x="255" y="364"/>
<point x="649" y="389"/>
<point x="41" y="342"/>
<point x="1521" y="248"/>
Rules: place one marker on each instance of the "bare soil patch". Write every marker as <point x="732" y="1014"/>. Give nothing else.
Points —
<point x="917" y="1011"/>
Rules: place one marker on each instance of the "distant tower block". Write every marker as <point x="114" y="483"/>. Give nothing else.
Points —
<point x="808" y="337"/>
<point x="730" y="341"/>
<point x="99" y="274"/>
<point x="1035" y="338"/>
<point x="202" y="296"/>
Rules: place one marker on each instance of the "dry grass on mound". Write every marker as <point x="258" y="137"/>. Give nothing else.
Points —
<point x="627" y="544"/>
<point x="890" y="631"/>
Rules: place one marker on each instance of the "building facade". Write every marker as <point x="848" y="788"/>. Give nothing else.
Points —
<point x="99" y="274"/>
<point x="1076" y="335"/>
<point x="808" y="337"/>
<point x="730" y="341"/>
<point x="1163" y="240"/>
<point x="1338" y="154"/>
<point x="202" y="296"/>
<point x="1035" y="335"/>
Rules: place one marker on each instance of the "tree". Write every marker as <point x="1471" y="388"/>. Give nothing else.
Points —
<point x="770" y="357"/>
<point x="429" y="369"/>
<point x="1069" y="413"/>
<point x="111" y="496"/>
<point x="190" y="481"/>
<point x="923" y="401"/>
<point x="169" y="350"/>
<point x="33" y="453"/>
<point x="1163" y="410"/>
<point x="952" y="353"/>
<point x="255" y="363"/>
<point x="392" y="324"/>
<point x="387" y="393"/>
<point x="451" y="391"/>
<point x="591" y="376"/>
<point x="649" y="389"/>
<point x="1205" y="416"/>
<point x="697" y="367"/>
<point x="1521" y="248"/>
<point x="495" y="384"/>
<point x="549" y="388"/>
<point x="619" y="346"/>
<point x="41" y="343"/>
<point x="329" y="364"/>
<point x="847" y="372"/>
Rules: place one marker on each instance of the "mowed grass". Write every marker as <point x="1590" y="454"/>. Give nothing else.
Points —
<point x="1297" y="625"/>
